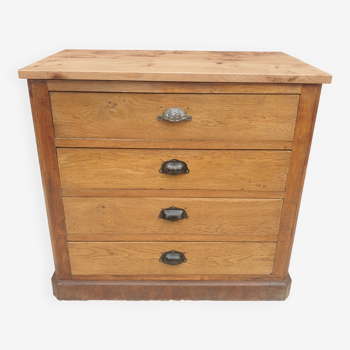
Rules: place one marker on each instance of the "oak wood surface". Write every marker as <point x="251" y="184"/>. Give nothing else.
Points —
<point x="184" y="66"/>
<point x="40" y="103"/>
<point x="112" y="258"/>
<point x="215" y="117"/>
<point x="127" y="143"/>
<point x="297" y="171"/>
<point x="171" y="87"/>
<point x="156" y="237"/>
<point x="66" y="192"/>
<point x="249" y="111"/>
<point x="170" y="290"/>
<point x="179" y="277"/>
<point x="139" y="169"/>
<point x="137" y="216"/>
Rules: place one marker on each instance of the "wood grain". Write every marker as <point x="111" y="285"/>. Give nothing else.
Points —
<point x="170" y="144"/>
<point x="172" y="193"/>
<point x="171" y="290"/>
<point x="40" y="103"/>
<point x="171" y="87"/>
<point x="298" y="164"/>
<point x="156" y="237"/>
<point x="139" y="169"/>
<point x="143" y="258"/>
<point x="184" y="66"/>
<point x="137" y="216"/>
<point x="101" y="147"/>
<point x="172" y="277"/>
<point x="215" y="117"/>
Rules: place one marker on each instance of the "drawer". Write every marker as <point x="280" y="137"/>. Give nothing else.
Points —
<point x="111" y="258"/>
<point x="139" y="169"/>
<point x="107" y="218"/>
<point x="217" y="117"/>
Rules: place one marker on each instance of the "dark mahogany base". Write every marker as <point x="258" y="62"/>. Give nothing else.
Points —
<point x="170" y="290"/>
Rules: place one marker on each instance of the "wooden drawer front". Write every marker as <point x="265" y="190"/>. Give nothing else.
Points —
<point x="143" y="258"/>
<point x="139" y="169"/>
<point x="110" y="217"/>
<point x="134" y="116"/>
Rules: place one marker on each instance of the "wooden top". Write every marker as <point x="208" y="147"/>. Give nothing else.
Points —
<point x="188" y="66"/>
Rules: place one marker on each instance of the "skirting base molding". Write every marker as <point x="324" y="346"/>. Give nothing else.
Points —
<point x="170" y="290"/>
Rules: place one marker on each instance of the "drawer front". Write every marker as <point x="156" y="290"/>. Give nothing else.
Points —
<point x="143" y="258"/>
<point x="217" y="117"/>
<point x="139" y="169"/>
<point x="205" y="216"/>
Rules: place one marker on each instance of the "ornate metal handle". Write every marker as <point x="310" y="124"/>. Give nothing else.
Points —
<point x="174" y="167"/>
<point x="173" y="214"/>
<point x="174" y="115"/>
<point x="173" y="258"/>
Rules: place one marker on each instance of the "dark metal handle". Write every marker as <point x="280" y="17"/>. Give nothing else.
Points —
<point x="173" y="214"/>
<point x="174" y="167"/>
<point x="173" y="258"/>
<point x="174" y="115"/>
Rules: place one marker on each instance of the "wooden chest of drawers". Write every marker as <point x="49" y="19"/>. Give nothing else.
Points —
<point x="172" y="175"/>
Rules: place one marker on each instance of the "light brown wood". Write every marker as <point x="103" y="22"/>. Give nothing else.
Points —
<point x="101" y="146"/>
<point x="171" y="87"/>
<point x="115" y="143"/>
<point x="143" y="258"/>
<point x="155" y="237"/>
<point x="297" y="170"/>
<point x="136" y="216"/>
<point x="179" y="277"/>
<point x="184" y="66"/>
<point x="217" y="117"/>
<point x="139" y="169"/>
<point x="172" y="193"/>
<point x="40" y="103"/>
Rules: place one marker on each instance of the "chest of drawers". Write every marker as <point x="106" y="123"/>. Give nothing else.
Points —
<point x="172" y="174"/>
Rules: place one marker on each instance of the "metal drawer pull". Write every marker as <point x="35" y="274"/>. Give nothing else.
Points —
<point x="174" y="115"/>
<point x="173" y="258"/>
<point x="174" y="167"/>
<point x="173" y="214"/>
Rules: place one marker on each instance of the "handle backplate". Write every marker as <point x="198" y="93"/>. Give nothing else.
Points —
<point x="173" y="214"/>
<point x="173" y="258"/>
<point x="174" y="167"/>
<point x="174" y="115"/>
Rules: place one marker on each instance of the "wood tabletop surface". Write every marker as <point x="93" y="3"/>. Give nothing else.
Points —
<point x="185" y="66"/>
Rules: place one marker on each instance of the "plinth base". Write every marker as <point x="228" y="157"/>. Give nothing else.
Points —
<point x="170" y="290"/>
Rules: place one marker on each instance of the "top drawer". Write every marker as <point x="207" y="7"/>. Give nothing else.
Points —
<point x="216" y="117"/>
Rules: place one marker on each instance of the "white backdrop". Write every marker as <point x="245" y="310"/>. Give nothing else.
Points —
<point x="316" y="314"/>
